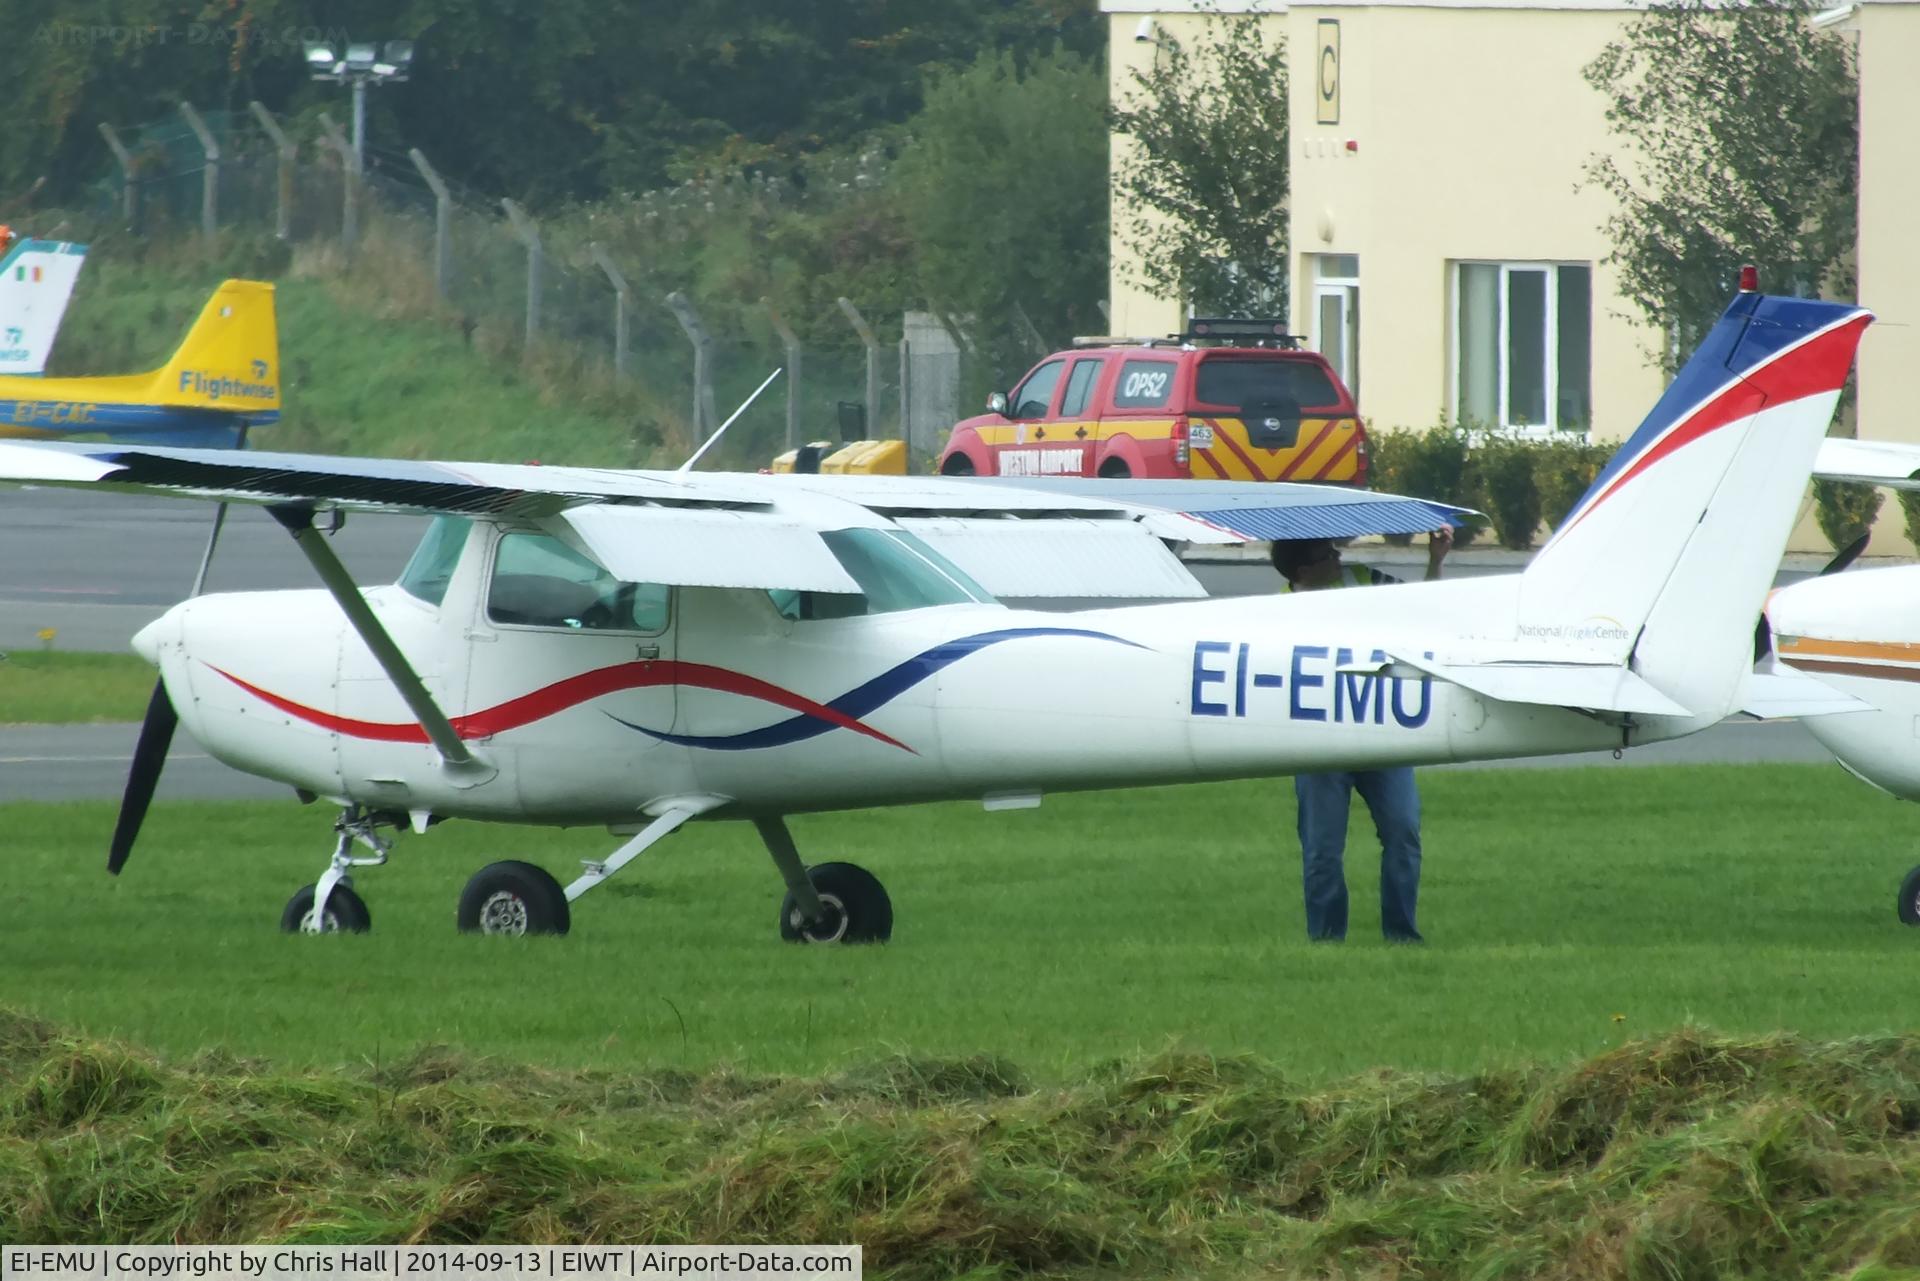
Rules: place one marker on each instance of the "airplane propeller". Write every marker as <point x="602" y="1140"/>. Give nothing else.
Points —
<point x="149" y="754"/>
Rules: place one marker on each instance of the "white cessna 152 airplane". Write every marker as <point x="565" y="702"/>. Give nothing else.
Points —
<point x="639" y="649"/>
<point x="1860" y="633"/>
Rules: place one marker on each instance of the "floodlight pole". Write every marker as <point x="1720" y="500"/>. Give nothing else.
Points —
<point x="209" y="175"/>
<point x="442" y="224"/>
<point x="872" y="344"/>
<point x="359" y="125"/>
<point x="620" y="296"/>
<point x="283" y="146"/>
<point x="791" y="341"/>
<point x="529" y="233"/>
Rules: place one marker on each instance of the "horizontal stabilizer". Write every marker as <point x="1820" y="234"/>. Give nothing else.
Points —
<point x="1588" y="687"/>
<point x="1895" y="464"/>
<point x="1776" y="695"/>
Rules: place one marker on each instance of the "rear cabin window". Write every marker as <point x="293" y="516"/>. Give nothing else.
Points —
<point x="1079" y="387"/>
<point x="895" y="571"/>
<point x="431" y="567"/>
<point x="1300" y="383"/>
<point x="539" y="581"/>
<point x="1144" y="384"/>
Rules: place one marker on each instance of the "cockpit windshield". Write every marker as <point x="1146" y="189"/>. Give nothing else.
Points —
<point x="434" y="560"/>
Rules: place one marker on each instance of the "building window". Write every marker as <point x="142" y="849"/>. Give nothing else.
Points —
<point x="1522" y="343"/>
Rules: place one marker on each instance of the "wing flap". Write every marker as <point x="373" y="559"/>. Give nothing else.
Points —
<point x="1779" y="695"/>
<point x="703" y="548"/>
<point x="1058" y="557"/>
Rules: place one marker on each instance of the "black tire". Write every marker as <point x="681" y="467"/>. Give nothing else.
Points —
<point x="1116" y="469"/>
<point x="346" y="912"/>
<point x="957" y="465"/>
<point x="1910" y="898"/>
<point x="514" y="898"/>
<point x="858" y="909"/>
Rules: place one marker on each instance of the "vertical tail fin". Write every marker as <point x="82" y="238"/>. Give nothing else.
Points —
<point x="230" y="359"/>
<point x="36" y="280"/>
<point x="1668" y="557"/>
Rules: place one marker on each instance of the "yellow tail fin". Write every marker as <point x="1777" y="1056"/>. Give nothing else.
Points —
<point x="230" y="359"/>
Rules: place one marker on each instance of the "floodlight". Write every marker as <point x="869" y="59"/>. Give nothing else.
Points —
<point x="400" y="53"/>
<point x="361" y="57"/>
<point x="319" y="55"/>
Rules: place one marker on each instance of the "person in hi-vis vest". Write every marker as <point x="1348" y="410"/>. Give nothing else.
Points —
<point x="1313" y="564"/>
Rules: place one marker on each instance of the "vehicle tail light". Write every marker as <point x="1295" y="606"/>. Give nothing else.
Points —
<point x="1362" y="460"/>
<point x="1182" y="448"/>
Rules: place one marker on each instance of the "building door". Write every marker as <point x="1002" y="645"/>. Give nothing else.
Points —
<point x="1336" y="315"/>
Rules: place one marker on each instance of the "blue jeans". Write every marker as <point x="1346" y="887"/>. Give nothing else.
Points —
<point x="1394" y="801"/>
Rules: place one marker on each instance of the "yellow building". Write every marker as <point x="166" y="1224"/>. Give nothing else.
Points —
<point x="1447" y="252"/>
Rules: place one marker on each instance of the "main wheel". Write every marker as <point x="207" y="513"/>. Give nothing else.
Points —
<point x="1910" y="898"/>
<point x="857" y="908"/>
<point x="514" y="898"/>
<point x="346" y="913"/>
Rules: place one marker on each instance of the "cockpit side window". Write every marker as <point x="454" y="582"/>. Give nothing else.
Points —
<point x="431" y="567"/>
<point x="895" y="571"/>
<point x="539" y="581"/>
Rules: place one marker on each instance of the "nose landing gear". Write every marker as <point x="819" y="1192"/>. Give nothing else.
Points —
<point x="329" y="905"/>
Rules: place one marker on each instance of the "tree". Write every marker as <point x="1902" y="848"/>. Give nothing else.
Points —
<point x="1207" y="181"/>
<point x="1004" y="190"/>
<point x="1739" y="126"/>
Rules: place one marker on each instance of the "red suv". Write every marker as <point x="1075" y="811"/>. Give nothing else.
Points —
<point x="1253" y="407"/>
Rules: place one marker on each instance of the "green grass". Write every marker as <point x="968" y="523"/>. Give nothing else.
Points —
<point x="358" y="376"/>
<point x="1567" y="912"/>
<point x="53" y="687"/>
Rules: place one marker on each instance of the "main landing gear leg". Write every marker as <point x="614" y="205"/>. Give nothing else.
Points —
<point x="329" y="905"/>
<point x="829" y="902"/>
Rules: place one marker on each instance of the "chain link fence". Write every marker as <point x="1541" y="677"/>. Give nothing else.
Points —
<point x="539" y="290"/>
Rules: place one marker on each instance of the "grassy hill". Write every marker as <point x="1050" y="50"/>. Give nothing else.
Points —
<point x="368" y="368"/>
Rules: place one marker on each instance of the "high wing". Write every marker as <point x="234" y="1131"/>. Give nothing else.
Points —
<point x="1083" y="538"/>
<point x="1872" y="462"/>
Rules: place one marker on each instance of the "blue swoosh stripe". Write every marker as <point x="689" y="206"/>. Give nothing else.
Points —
<point x="876" y="693"/>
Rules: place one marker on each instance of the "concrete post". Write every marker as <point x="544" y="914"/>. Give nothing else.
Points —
<point x="861" y="327"/>
<point x="791" y="341"/>
<point x="128" y="182"/>
<point x="349" y="184"/>
<point x="620" y="296"/>
<point x="209" y="176"/>
<point x="284" y="148"/>
<point x="442" y="224"/>
<point x="529" y="233"/>
<point x="704" y="415"/>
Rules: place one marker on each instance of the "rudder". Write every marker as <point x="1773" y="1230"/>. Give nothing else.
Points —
<point x="230" y="359"/>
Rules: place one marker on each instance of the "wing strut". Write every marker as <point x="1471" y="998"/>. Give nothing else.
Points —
<point x="346" y="593"/>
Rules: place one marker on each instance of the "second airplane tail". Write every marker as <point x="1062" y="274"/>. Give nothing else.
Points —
<point x="36" y="281"/>
<point x="230" y="359"/>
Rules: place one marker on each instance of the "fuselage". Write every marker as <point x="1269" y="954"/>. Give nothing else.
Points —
<point x="718" y="692"/>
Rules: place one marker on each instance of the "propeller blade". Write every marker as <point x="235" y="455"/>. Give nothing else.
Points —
<point x="1848" y="554"/>
<point x="149" y="754"/>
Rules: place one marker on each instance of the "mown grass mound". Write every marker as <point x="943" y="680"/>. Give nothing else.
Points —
<point x="1687" y="1156"/>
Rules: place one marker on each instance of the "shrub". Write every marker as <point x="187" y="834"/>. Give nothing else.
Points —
<point x="1388" y="454"/>
<point x="1563" y="468"/>
<point x="1844" y="510"/>
<point x="1504" y="468"/>
<point x="1435" y="463"/>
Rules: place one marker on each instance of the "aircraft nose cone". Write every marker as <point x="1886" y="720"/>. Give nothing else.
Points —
<point x="147" y="641"/>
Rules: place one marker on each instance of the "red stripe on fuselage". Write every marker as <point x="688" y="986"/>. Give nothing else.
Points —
<point x="1818" y="365"/>
<point x="561" y="695"/>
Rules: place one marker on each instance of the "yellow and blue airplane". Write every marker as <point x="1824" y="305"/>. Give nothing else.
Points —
<point x="223" y="379"/>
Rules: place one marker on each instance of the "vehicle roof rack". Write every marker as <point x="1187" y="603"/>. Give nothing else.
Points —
<point x="1241" y="331"/>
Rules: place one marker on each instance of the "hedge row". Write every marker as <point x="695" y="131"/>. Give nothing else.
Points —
<point x="1520" y="483"/>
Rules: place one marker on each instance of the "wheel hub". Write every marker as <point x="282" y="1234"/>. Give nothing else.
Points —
<point x="308" y="925"/>
<point x="832" y="925"/>
<point x="503" y="913"/>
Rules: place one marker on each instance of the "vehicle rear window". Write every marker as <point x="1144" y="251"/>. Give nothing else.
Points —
<point x="1238" y="382"/>
<point x="1144" y="384"/>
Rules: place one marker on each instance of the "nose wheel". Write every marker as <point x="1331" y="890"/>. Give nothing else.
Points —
<point x="345" y="913"/>
<point x="1909" y="904"/>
